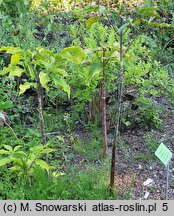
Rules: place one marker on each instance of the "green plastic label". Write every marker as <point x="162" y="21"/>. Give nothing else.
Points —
<point x="164" y="154"/>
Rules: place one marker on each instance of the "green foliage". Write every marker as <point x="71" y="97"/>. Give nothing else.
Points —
<point x="73" y="184"/>
<point x="5" y="105"/>
<point x="63" y="52"/>
<point x="14" y="16"/>
<point x="149" y="112"/>
<point x="147" y="79"/>
<point x="45" y="66"/>
<point x="92" y="20"/>
<point x="91" y="185"/>
<point x="77" y="185"/>
<point x="138" y="63"/>
<point x="16" y="8"/>
<point x="24" y="162"/>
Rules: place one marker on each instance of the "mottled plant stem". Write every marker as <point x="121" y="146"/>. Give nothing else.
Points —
<point x="103" y="87"/>
<point x="118" y="113"/>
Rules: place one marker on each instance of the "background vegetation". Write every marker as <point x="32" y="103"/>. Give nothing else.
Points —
<point x="59" y="90"/>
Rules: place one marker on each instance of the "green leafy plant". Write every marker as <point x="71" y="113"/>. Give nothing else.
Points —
<point x="42" y="67"/>
<point x="15" y="8"/>
<point x="23" y="162"/>
<point x="149" y="112"/>
<point x="5" y="105"/>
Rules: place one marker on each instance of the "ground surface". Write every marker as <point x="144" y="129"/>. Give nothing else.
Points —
<point x="136" y="162"/>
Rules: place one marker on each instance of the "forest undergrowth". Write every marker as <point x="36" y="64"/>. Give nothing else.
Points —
<point x="86" y="98"/>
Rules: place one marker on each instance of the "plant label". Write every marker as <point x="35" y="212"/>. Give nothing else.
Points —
<point x="164" y="154"/>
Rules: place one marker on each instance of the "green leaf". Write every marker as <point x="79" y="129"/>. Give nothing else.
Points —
<point x="31" y="71"/>
<point x="58" y="71"/>
<point x="61" y="83"/>
<point x="42" y="163"/>
<point x="57" y="174"/>
<point x="17" y="147"/>
<point x="149" y="41"/>
<point x="15" y="168"/>
<point x="127" y="123"/>
<point x="48" y="150"/>
<point x="37" y="148"/>
<point x="161" y="25"/>
<point x="17" y="71"/>
<point x="4" y="71"/>
<point x="5" y="161"/>
<point x="12" y="50"/>
<point x="115" y="16"/>
<point x="18" y="161"/>
<point x="94" y="71"/>
<point x="73" y="54"/>
<point x="48" y="63"/>
<point x="115" y="55"/>
<point x="44" y="51"/>
<point x="30" y="53"/>
<point x="15" y="59"/>
<point x="91" y="8"/>
<point x="92" y="20"/>
<point x="2" y="151"/>
<point x="123" y="27"/>
<point x="8" y="69"/>
<point x="25" y="86"/>
<point x="8" y="147"/>
<point x="60" y="61"/>
<point x="6" y="105"/>
<point x="149" y="12"/>
<point x="21" y="153"/>
<point x="44" y="79"/>
<point x="30" y="162"/>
